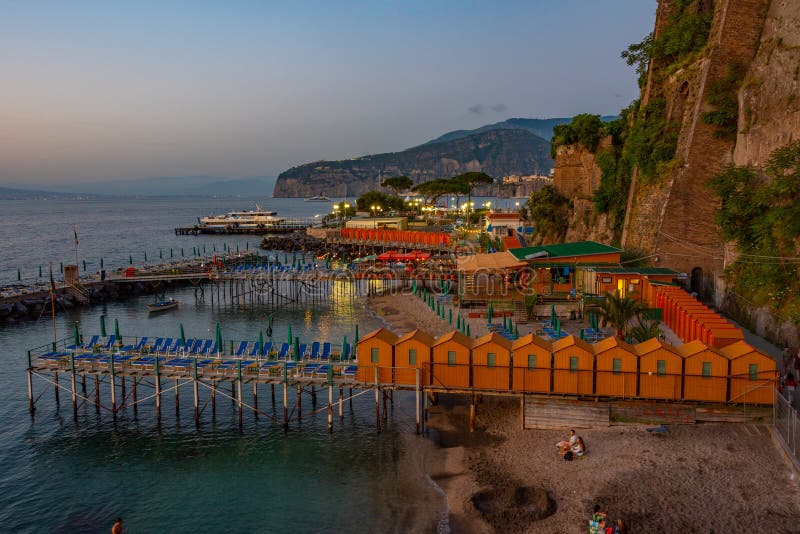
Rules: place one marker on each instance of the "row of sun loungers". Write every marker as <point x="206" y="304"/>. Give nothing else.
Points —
<point x="272" y="268"/>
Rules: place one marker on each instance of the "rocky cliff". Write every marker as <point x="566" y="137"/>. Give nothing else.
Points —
<point x="496" y="152"/>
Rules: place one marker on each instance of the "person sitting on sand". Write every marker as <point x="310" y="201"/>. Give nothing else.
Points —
<point x="564" y="446"/>
<point x="117" y="528"/>
<point x="579" y="447"/>
<point x="598" y="522"/>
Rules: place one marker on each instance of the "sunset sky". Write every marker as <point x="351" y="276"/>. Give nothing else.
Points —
<point x="103" y="90"/>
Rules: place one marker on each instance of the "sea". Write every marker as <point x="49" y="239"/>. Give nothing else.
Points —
<point x="62" y="475"/>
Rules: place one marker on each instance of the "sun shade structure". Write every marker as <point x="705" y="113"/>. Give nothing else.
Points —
<point x="487" y="262"/>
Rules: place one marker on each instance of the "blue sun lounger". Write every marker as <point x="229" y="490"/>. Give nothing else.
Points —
<point x="109" y="342"/>
<point x="172" y="347"/>
<point x="254" y="351"/>
<point x="53" y="356"/>
<point x="205" y="348"/>
<point x="198" y="345"/>
<point x="284" y="351"/>
<point x="240" y="349"/>
<point x="326" y="352"/>
<point x="322" y="370"/>
<point x="267" y="348"/>
<point x="137" y="347"/>
<point x="309" y="369"/>
<point x="302" y="348"/>
<point x="315" y="350"/>
<point x="350" y="370"/>
<point x="155" y="347"/>
<point x="89" y="345"/>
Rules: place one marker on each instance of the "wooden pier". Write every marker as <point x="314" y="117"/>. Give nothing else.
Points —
<point x="283" y="227"/>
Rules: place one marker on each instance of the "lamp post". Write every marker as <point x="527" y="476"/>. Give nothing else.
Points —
<point x="374" y="209"/>
<point x="346" y="207"/>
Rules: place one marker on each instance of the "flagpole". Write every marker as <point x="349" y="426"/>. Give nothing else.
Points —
<point x="53" y="302"/>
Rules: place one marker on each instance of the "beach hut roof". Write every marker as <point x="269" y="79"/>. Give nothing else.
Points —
<point x="419" y="335"/>
<point x="456" y="336"/>
<point x="569" y="341"/>
<point x="565" y="250"/>
<point x="687" y="350"/>
<point x="737" y="350"/>
<point x="646" y="347"/>
<point x="494" y="261"/>
<point x="382" y="334"/>
<point x="493" y="337"/>
<point x="531" y="339"/>
<point x="610" y="343"/>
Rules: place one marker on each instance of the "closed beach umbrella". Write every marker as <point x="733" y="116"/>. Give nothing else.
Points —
<point x="450" y="316"/>
<point x="468" y="332"/>
<point x="558" y="328"/>
<point x="145" y="255"/>
<point x="553" y="314"/>
<point x="76" y="334"/>
<point x="170" y="253"/>
<point x="356" y="340"/>
<point x="219" y="337"/>
<point x="103" y="325"/>
<point x="297" y="349"/>
<point x="160" y="254"/>
<point x="260" y="342"/>
<point x="101" y="263"/>
<point x="116" y="329"/>
<point x="40" y="271"/>
<point x="183" y="338"/>
<point x="344" y="344"/>
<point x="290" y="334"/>
<point x="19" y="274"/>
<point x="516" y="331"/>
<point x="490" y="313"/>
<point x="130" y="259"/>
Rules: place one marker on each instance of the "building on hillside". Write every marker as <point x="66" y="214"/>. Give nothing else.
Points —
<point x="503" y="224"/>
<point x="627" y="280"/>
<point x="391" y="223"/>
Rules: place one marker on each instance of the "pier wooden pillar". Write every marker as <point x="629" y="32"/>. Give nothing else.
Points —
<point x="97" y="393"/>
<point x="177" y="398"/>
<point x="272" y="387"/>
<point x="350" y="392"/>
<point x="74" y="386"/>
<point x="31" y="406"/>
<point x="196" y="403"/>
<point x="285" y="407"/>
<point x="330" y="407"/>
<point x="113" y="380"/>
<point x="416" y="399"/>
<point x="83" y="383"/>
<point x="239" y="392"/>
<point x="472" y="413"/>
<point x="135" y="396"/>
<point x="313" y="396"/>
<point x="213" y="398"/>
<point x="122" y="389"/>
<point x="385" y="412"/>
<point x="255" y="399"/>
<point x="158" y="391"/>
<point x="377" y="403"/>
<point x="341" y="403"/>
<point x="55" y="388"/>
<point x="299" y="402"/>
<point x="233" y="391"/>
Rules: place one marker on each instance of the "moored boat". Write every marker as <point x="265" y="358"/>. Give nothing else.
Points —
<point x="162" y="305"/>
<point x="318" y="198"/>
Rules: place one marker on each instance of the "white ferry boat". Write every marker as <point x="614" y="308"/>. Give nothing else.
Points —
<point x="318" y="198"/>
<point x="255" y="219"/>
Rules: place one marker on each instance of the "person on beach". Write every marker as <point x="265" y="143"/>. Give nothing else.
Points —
<point x="117" y="528"/>
<point x="597" y="523"/>
<point x="565" y="445"/>
<point x="579" y="447"/>
<point x="789" y="386"/>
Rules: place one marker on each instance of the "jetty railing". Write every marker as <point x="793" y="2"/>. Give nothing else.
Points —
<point x="786" y="426"/>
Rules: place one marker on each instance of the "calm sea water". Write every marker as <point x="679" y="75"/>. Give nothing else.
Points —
<point x="58" y="475"/>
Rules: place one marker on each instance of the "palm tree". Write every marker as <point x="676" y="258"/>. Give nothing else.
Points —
<point x="645" y="330"/>
<point x="619" y="311"/>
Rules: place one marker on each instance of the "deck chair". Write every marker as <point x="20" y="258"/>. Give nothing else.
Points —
<point x="206" y="347"/>
<point x="284" y="351"/>
<point x="158" y="345"/>
<point x="346" y="351"/>
<point x="265" y="351"/>
<point x="315" y="350"/>
<point x="350" y="370"/>
<point x="302" y="348"/>
<point x="326" y="351"/>
<point x="240" y="349"/>
<point x="109" y="342"/>
<point x="309" y="368"/>
<point x="322" y="370"/>
<point x="255" y="351"/>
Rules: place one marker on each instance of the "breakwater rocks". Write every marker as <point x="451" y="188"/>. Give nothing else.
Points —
<point x="33" y="305"/>
<point x="299" y="242"/>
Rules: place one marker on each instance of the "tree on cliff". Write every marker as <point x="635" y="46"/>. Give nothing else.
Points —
<point x="398" y="184"/>
<point x="549" y="212"/>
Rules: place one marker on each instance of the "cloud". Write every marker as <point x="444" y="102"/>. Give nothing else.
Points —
<point x="478" y="109"/>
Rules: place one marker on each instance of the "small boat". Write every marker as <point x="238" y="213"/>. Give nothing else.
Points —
<point x="162" y="305"/>
<point x="318" y="198"/>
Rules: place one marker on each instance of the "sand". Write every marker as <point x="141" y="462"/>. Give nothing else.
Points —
<point x="501" y="478"/>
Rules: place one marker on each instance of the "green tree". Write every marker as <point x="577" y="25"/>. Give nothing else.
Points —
<point x="645" y="330"/>
<point x="467" y="182"/>
<point x="586" y="129"/>
<point x="619" y="311"/>
<point x="638" y="56"/>
<point x="386" y="202"/>
<point x="549" y="212"/>
<point x="398" y="184"/>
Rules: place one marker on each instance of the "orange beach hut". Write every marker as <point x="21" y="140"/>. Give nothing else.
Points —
<point x="705" y="373"/>
<point x="451" y="360"/>
<point x="376" y="349"/>
<point x="573" y="366"/>
<point x="660" y="370"/>
<point x="753" y="374"/>
<point x="491" y="362"/>
<point x="532" y="359"/>
<point x="616" y="363"/>
<point x="411" y="352"/>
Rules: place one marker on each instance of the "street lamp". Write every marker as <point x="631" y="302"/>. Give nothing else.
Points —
<point x="375" y="208"/>
<point x="346" y="209"/>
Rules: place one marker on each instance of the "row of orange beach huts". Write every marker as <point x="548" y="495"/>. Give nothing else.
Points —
<point x="691" y="320"/>
<point x="411" y="237"/>
<point x="737" y="373"/>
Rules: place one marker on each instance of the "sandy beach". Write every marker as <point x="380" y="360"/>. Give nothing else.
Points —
<point x="501" y="478"/>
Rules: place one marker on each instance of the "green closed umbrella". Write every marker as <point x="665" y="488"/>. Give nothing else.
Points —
<point x="116" y="330"/>
<point x="170" y="253"/>
<point x="183" y="338"/>
<point x="160" y="254"/>
<point x="261" y="342"/>
<point x="490" y="313"/>
<point x="19" y="274"/>
<point x="40" y="271"/>
<point x="553" y="317"/>
<point x="145" y="255"/>
<point x="344" y="346"/>
<point x="297" y="349"/>
<point x="101" y="263"/>
<point x="76" y="335"/>
<point x="130" y="259"/>
<point x="468" y="333"/>
<point x="558" y="328"/>
<point x="356" y="340"/>
<point x="290" y="334"/>
<point x="103" y="325"/>
<point x="516" y="332"/>
<point x="450" y="316"/>
<point x="219" y="338"/>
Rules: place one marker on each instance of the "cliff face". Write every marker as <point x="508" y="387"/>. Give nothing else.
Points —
<point x="673" y="218"/>
<point x="577" y="177"/>
<point x="495" y="152"/>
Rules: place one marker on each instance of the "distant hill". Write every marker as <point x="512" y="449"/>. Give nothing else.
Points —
<point x="497" y="152"/>
<point x="174" y="186"/>
<point x="541" y="127"/>
<point x="13" y="193"/>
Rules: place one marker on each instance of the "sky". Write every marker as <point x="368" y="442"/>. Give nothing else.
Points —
<point x="106" y="90"/>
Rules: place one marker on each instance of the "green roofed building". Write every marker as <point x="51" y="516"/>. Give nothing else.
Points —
<point x="580" y="252"/>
